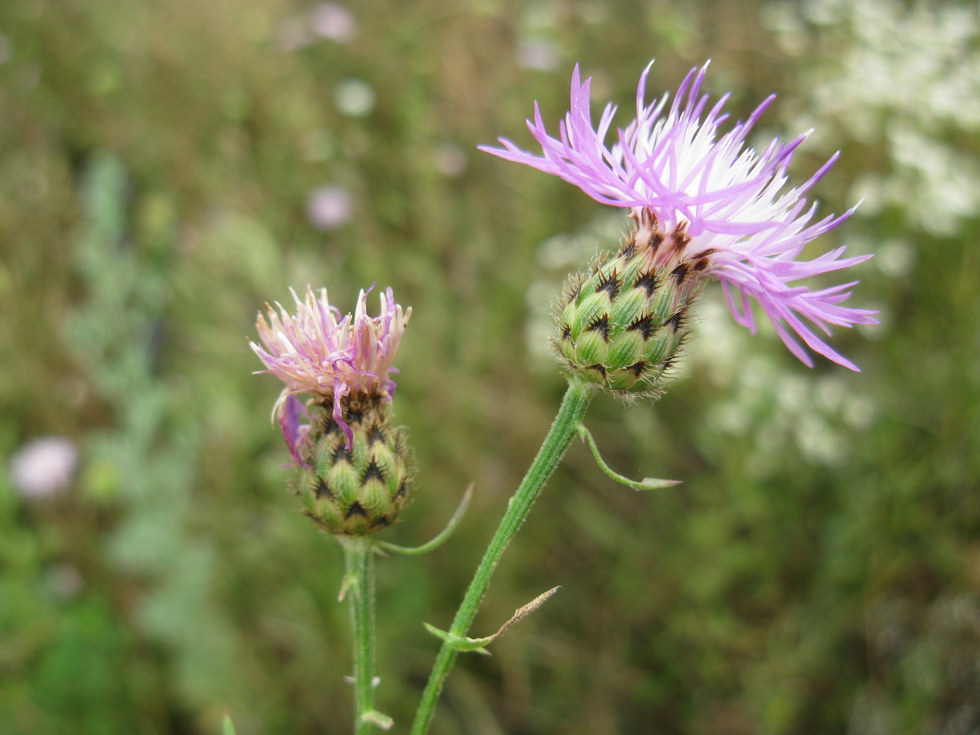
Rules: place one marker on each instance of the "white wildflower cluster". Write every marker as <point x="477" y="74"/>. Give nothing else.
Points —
<point x="779" y="408"/>
<point x="907" y="77"/>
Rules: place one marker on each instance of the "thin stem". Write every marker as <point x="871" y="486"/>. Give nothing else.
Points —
<point x="562" y="431"/>
<point x="359" y="584"/>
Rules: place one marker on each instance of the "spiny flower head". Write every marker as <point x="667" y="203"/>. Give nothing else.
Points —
<point x="349" y="485"/>
<point x="623" y="322"/>
<point x="353" y="466"/>
<point x="724" y="206"/>
<point x="316" y="351"/>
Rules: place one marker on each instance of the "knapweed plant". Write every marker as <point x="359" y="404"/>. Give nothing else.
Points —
<point x="702" y="206"/>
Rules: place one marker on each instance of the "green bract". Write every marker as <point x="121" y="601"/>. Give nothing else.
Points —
<point x="361" y="489"/>
<point x="623" y="322"/>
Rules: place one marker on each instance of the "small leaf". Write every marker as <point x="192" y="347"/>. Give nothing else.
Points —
<point x="227" y="726"/>
<point x="440" y="538"/>
<point x="647" y="483"/>
<point x="476" y="645"/>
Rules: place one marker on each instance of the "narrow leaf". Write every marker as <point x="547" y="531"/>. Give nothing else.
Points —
<point x="441" y="537"/>
<point x="647" y="483"/>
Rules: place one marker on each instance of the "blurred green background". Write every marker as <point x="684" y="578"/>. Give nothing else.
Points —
<point x="167" y="167"/>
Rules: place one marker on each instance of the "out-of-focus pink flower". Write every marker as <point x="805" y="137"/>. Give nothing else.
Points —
<point x="329" y="207"/>
<point x="44" y="466"/>
<point x="317" y="351"/>
<point x="333" y="21"/>
<point x="727" y="204"/>
<point x="326" y="20"/>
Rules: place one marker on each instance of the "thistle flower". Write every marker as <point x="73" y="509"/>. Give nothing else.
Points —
<point x="705" y="203"/>
<point x="353" y="472"/>
<point x="623" y="322"/>
<point x="316" y="351"/>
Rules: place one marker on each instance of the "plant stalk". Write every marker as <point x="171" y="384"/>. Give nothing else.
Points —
<point x="563" y="430"/>
<point x="359" y="585"/>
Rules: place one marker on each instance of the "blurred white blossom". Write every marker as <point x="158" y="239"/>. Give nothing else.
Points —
<point x="333" y="21"/>
<point x="354" y="97"/>
<point x="329" y="207"/>
<point x="537" y="53"/>
<point x="905" y="76"/>
<point x="895" y="258"/>
<point x="44" y="466"/>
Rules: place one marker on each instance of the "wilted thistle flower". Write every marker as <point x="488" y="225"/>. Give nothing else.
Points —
<point x="701" y="204"/>
<point x="354" y="474"/>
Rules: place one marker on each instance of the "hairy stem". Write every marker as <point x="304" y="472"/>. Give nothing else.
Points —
<point x="562" y="431"/>
<point x="359" y="585"/>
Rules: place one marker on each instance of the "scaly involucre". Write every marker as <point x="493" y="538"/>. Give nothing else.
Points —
<point x="731" y="200"/>
<point x="317" y="351"/>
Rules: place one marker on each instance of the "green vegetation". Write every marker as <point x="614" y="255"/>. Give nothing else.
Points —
<point x="817" y="572"/>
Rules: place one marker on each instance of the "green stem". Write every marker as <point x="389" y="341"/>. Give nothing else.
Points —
<point x="359" y="584"/>
<point x="562" y="431"/>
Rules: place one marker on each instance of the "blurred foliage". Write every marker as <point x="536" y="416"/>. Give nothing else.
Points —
<point x="819" y="570"/>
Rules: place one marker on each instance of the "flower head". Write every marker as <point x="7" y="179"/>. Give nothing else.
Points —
<point x="722" y="207"/>
<point x="317" y="351"/>
<point x="43" y="467"/>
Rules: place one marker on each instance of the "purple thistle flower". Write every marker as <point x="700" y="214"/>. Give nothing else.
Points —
<point x="316" y="351"/>
<point x="728" y="201"/>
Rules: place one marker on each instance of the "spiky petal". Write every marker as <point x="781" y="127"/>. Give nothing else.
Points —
<point x="677" y="164"/>
<point x="317" y="351"/>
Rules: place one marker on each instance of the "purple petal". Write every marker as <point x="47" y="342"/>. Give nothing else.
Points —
<point x="295" y="433"/>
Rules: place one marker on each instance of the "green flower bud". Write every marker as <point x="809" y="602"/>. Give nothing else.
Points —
<point x="354" y="486"/>
<point x="623" y="322"/>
